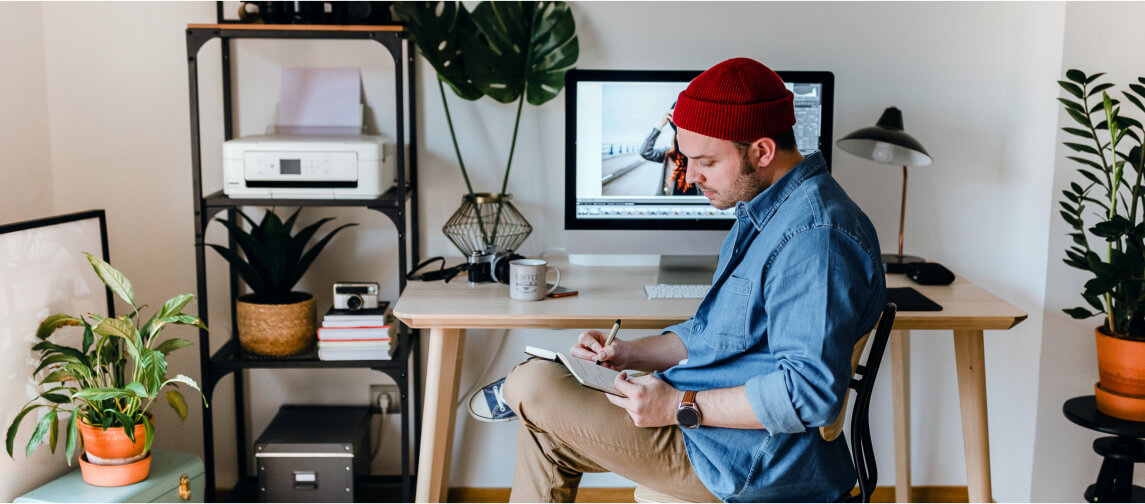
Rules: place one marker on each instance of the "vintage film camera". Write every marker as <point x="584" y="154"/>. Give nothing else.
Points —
<point x="355" y="296"/>
<point x="492" y="265"/>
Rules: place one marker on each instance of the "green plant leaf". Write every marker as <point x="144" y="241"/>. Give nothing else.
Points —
<point x="88" y="337"/>
<point x="253" y="278"/>
<point x="118" y="328"/>
<point x="1081" y="148"/>
<point x="1079" y="132"/>
<point x="56" y="398"/>
<point x="186" y="380"/>
<point x="113" y="279"/>
<point x="175" y="305"/>
<point x="136" y="388"/>
<point x="50" y="324"/>
<point x="55" y="359"/>
<point x="1100" y="285"/>
<point x="54" y="433"/>
<point x="72" y="435"/>
<point x="1072" y="89"/>
<point x="436" y="27"/>
<point x="1070" y="219"/>
<point x="1100" y="106"/>
<point x="310" y="255"/>
<point x="1075" y="75"/>
<point x="59" y="375"/>
<point x="15" y="425"/>
<point x="149" y="433"/>
<point x="1099" y="88"/>
<point x="172" y="344"/>
<point x="1138" y="88"/>
<point x="1113" y="229"/>
<point x="1080" y="117"/>
<point x="521" y="47"/>
<point x="1079" y="313"/>
<point x="1093" y="77"/>
<point x="1134" y="100"/>
<point x="42" y="429"/>
<point x="177" y="403"/>
<point x="103" y="393"/>
<point x="1072" y="105"/>
<point x="125" y="422"/>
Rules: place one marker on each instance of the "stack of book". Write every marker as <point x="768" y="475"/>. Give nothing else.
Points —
<point x="355" y="335"/>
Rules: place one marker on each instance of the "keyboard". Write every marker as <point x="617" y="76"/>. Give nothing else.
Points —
<point x="676" y="291"/>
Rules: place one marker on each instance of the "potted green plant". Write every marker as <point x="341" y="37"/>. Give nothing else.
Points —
<point x="274" y="319"/>
<point x="1112" y="161"/>
<point x="509" y="51"/>
<point x="106" y="395"/>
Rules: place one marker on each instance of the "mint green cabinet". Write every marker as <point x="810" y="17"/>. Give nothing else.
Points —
<point x="162" y="485"/>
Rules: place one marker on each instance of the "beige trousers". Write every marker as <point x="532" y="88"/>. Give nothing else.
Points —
<point x="567" y="430"/>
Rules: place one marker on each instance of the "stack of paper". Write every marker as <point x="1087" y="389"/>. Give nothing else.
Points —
<point x="355" y="335"/>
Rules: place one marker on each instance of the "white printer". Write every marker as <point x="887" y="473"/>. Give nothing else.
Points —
<point x="308" y="166"/>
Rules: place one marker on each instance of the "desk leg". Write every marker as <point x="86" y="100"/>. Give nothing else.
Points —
<point x="442" y="378"/>
<point x="971" y="361"/>
<point x="900" y="370"/>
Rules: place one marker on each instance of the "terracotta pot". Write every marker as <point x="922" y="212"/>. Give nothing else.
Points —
<point x="1121" y="367"/>
<point x="112" y="446"/>
<point x="115" y="475"/>
<point x="276" y="329"/>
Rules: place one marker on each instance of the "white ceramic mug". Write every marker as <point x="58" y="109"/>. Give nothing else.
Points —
<point x="527" y="279"/>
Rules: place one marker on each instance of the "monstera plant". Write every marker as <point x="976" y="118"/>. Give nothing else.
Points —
<point x="509" y="51"/>
<point x="1112" y="161"/>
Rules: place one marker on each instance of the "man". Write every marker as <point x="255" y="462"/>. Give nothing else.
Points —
<point x="737" y="391"/>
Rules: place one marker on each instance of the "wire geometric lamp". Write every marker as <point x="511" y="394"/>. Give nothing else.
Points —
<point x="500" y="226"/>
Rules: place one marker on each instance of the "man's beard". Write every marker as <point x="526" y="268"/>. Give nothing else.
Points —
<point x="745" y="188"/>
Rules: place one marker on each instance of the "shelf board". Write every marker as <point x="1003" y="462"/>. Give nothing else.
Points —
<point x="232" y="356"/>
<point x="297" y="27"/>
<point x="367" y="488"/>
<point x="387" y="200"/>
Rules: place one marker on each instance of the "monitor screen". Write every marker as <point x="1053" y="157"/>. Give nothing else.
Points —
<point x="620" y="165"/>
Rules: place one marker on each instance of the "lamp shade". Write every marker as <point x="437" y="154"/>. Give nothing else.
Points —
<point x="886" y="142"/>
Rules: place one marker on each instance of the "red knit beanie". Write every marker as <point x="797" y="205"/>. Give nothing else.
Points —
<point x="739" y="100"/>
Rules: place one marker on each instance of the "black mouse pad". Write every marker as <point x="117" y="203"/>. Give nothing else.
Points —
<point x="909" y="299"/>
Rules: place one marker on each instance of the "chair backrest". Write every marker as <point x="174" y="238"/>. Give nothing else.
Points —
<point x="862" y="449"/>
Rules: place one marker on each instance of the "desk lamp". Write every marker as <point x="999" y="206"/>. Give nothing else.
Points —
<point x="887" y="143"/>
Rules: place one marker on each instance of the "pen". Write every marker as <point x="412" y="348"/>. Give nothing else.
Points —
<point x="611" y="335"/>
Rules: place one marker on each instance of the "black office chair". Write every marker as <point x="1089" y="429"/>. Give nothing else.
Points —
<point x="863" y="381"/>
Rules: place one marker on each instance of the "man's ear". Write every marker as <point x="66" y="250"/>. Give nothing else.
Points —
<point x="762" y="151"/>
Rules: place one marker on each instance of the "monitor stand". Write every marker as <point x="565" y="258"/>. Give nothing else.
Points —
<point x="687" y="269"/>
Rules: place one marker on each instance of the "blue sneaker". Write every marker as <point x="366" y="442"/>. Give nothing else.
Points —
<point x="487" y="404"/>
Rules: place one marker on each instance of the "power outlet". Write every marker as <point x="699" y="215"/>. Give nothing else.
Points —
<point x="378" y="390"/>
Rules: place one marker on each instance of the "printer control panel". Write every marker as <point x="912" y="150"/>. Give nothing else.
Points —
<point x="301" y="166"/>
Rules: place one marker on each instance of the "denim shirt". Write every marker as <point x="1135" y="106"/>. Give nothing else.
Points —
<point x="799" y="281"/>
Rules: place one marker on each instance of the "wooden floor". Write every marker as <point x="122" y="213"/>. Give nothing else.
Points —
<point x="882" y="494"/>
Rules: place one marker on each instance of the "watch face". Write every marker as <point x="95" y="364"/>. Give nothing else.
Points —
<point x="688" y="418"/>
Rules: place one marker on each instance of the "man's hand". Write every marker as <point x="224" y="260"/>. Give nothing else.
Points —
<point x="590" y="346"/>
<point x="650" y="402"/>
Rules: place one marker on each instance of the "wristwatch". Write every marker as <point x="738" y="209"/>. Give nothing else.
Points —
<point x="688" y="414"/>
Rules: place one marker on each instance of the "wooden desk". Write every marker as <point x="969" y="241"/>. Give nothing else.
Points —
<point x="607" y="294"/>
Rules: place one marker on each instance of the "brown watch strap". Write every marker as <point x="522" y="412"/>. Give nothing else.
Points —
<point x="689" y="398"/>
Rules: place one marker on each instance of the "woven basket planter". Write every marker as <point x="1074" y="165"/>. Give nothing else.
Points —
<point x="276" y="330"/>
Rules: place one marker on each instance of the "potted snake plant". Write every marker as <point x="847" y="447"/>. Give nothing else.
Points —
<point x="509" y="51"/>
<point x="274" y="319"/>
<point x="1112" y="162"/>
<point x="107" y="385"/>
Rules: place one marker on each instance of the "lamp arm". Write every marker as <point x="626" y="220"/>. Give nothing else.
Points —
<point x="902" y="211"/>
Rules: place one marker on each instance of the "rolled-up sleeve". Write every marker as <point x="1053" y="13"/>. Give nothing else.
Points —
<point x="819" y="292"/>
<point x="683" y="329"/>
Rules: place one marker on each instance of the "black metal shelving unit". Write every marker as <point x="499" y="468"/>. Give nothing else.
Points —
<point x="395" y="203"/>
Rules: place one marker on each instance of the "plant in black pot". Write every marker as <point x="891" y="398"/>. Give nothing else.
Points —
<point x="509" y="51"/>
<point x="274" y="319"/>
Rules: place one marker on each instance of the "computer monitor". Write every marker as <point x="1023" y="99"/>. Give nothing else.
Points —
<point x="622" y="197"/>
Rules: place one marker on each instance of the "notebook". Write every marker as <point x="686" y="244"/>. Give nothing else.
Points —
<point x="586" y="372"/>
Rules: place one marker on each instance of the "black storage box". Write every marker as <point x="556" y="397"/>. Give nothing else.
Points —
<point x="313" y="453"/>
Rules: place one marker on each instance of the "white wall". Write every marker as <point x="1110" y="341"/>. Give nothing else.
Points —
<point x="25" y="193"/>
<point x="975" y="82"/>
<point x="1099" y="37"/>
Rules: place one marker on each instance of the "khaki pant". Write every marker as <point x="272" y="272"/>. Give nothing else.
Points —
<point x="567" y="430"/>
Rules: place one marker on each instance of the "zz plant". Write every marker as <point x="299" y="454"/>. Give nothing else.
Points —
<point x="1112" y="161"/>
<point x="112" y="379"/>
<point x="273" y="259"/>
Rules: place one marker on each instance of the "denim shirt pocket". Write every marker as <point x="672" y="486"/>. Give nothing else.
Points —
<point x="728" y="315"/>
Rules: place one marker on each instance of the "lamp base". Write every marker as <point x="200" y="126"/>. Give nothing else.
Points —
<point x="893" y="263"/>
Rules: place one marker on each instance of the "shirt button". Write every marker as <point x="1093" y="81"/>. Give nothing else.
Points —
<point x="699" y="327"/>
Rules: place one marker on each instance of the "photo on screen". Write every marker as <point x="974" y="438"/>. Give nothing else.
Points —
<point x="638" y="152"/>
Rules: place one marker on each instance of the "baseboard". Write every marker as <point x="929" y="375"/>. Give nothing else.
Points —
<point x="881" y="494"/>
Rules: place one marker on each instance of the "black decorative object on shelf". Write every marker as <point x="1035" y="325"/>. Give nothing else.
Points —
<point x="399" y="204"/>
<point x="1120" y="451"/>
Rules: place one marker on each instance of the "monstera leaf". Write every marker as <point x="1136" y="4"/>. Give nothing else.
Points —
<point x="521" y="47"/>
<point x="436" y="28"/>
